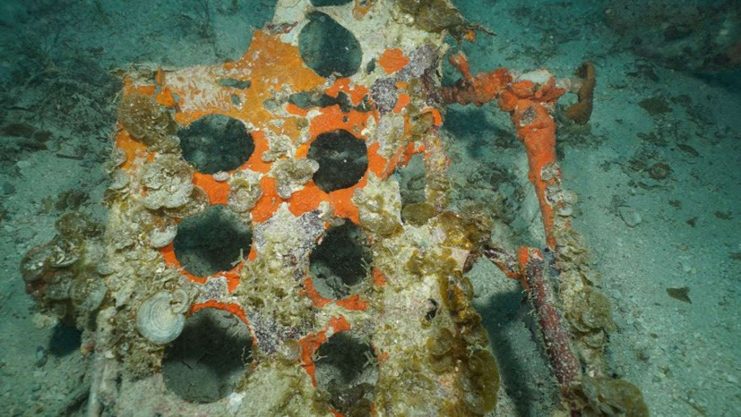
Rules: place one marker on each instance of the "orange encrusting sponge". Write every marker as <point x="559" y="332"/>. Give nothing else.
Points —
<point x="530" y="107"/>
<point x="392" y="60"/>
<point x="269" y="66"/>
<point x="232" y="275"/>
<point x="310" y="343"/>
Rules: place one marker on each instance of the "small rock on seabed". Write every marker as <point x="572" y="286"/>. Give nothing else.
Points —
<point x="630" y="216"/>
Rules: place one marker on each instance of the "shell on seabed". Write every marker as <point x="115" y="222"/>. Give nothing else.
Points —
<point x="160" y="319"/>
<point x="159" y="238"/>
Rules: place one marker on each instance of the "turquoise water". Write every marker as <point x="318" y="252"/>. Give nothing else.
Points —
<point x="656" y="172"/>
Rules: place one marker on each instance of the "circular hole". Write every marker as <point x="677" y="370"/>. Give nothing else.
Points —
<point x="64" y="340"/>
<point x="216" y="143"/>
<point x="208" y="358"/>
<point x="328" y="48"/>
<point x="211" y="241"/>
<point x="347" y="370"/>
<point x="342" y="158"/>
<point x="340" y="262"/>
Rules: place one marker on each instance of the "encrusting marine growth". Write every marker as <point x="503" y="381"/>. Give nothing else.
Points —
<point x="259" y="194"/>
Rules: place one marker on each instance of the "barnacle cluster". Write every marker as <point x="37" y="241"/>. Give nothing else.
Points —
<point x="66" y="274"/>
<point x="244" y="191"/>
<point x="292" y="174"/>
<point x="167" y="182"/>
<point x="161" y="318"/>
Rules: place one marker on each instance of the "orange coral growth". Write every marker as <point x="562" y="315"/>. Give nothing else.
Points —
<point x="460" y="62"/>
<point x="332" y="118"/>
<point x="310" y="343"/>
<point x="341" y="201"/>
<point x="165" y="98"/>
<point x="217" y="191"/>
<point x="361" y="8"/>
<point x="537" y="131"/>
<point x="306" y="199"/>
<point x="469" y="35"/>
<point x="268" y="202"/>
<point x="410" y="150"/>
<point x="383" y="168"/>
<point x="379" y="279"/>
<point x="171" y="260"/>
<point x="232" y="277"/>
<point x="353" y="302"/>
<point x="529" y="105"/>
<point x="523" y="257"/>
<point x="401" y="102"/>
<point x="393" y="60"/>
<point x="281" y="68"/>
<point x="294" y="109"/>
<point x="255" y="161"/>
<point x="548" y="93"/>
<point x="437" y="117"/>
<point x="525" y="88"/>
<point x="168" y="254"/>
<point x="339" y="324"/>
<point x="355" y="93"/>
<point x="232" y="308"/>
<point x="376" y="163"/>
<point x="310" y="291"/>
<point x="309" y="198"/>
<point x="253" y="254"/>
<point x="131" y="148"/>
<point x="479" y="90"/>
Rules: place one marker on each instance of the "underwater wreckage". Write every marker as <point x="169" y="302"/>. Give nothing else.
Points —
<point x="256" y="236"/>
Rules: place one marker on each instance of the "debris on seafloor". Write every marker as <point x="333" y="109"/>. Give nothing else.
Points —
<point x="581" y="111"/>
<point x="681" y="294"/>
<point x="574" y="317"/>
<point x="253" y="203"/>
<point x="630" y="216"/>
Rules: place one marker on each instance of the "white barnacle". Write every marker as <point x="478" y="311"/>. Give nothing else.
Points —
<point x="245" y="190"/>
<point x="159" y="238"/>
<point x="160" y="318"/>
<point x="168" y="181"/>
<point x="180" y="301"/>
<point x="119" y="180"/>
